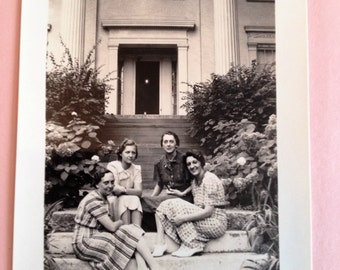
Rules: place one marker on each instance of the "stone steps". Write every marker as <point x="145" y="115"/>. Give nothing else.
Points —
<point x="63" y="221"/>
<point x="232" y="241"/>
<point x="146" y="130"/>
<point x="215" y="261"/>
<point x="227" y="252"/>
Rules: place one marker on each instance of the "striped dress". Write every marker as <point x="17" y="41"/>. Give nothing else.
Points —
<point x="93" y="243"/>
<point x="197" y="233"/>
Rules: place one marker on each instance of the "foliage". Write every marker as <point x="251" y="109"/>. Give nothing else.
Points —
<point x="234" y="117"/>
<point x="263" y="234"/>
<point x="73" y="155"/>
<point x="247" y="165"/>
<point x="216" y="106"/>
<point x="263" y="231"/>
<point x="270" y="263"/>
<point x="74" y="86"/>
<point x="49" y="262"/>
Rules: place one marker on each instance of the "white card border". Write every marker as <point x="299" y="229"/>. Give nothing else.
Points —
<point x="293" y="136"/>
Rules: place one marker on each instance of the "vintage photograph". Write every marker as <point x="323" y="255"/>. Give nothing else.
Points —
<point x="161" y="135"/>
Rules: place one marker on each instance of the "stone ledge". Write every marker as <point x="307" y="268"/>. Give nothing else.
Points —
<point x="63" y="221"/>
<point x="216" y="261"/>
<point x="232" y="241"/>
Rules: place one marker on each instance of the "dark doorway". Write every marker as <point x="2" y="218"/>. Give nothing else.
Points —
<point x="147" y="87"/>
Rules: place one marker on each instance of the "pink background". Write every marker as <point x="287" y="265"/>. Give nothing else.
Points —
<point x="9" y="59"/>
<point x="324" y="53"/>
<point x="324" y="57"/>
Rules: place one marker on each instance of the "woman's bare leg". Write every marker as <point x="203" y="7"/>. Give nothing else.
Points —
<point x="143" y="250"/>
<point x="160" y="240"/>
<point x="126" y="217"/>
<point x="141" y="264"/>
<point x="136" y="217"/>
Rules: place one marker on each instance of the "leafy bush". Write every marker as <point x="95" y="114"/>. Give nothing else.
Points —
<point x="247" y="165"/>
<point x="263" y="234"/>
<point x="234" y="117"/>
<point x="73" y="155"/>
<point x="216" y="106"/>
<point x="72" y="86"/>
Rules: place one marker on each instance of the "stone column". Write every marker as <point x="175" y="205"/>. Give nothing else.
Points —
<point x="113" y="65"/>
<point x="226" y="42"/>
<point x="182" y="75"/>
<point x="73" y="27"/>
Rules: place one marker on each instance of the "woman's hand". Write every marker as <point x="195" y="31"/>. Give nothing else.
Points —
<point x="176" y="192"/>
<point x="179" y="220"/>
<point x="204" y="213"/>
<point x="119" y="190"/>
<point x="110" y="225"/>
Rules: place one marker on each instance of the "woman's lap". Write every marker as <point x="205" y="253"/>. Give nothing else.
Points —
<point x="111" y="251"/>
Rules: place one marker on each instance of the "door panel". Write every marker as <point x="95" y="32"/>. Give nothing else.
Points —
<point x="147" y="87"/>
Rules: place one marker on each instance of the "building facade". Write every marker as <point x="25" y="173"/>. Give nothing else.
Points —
<point x="156" y="48"/>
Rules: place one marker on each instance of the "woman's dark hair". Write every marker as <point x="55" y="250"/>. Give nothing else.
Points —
<point x="170" y="133"/>
<point x="196" y="154"/>
<point x="122" y="147"/>
<point x="97" y="177"/>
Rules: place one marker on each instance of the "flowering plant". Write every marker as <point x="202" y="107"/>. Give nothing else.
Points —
<point x="73" y="154"/>
<point x="247" y="165"/>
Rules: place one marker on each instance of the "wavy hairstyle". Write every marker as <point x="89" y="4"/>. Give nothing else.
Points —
<point x="122" y="146"/>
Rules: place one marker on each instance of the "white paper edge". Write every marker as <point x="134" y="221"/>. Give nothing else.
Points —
<point x="293" y="137"/>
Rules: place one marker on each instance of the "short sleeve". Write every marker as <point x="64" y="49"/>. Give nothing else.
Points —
<point x="156" y="175"/>
<point x="113" y="167"/>
<point x="138" y="175"/>
<point x="97" y="209"/>
<point x="210" y="192"/>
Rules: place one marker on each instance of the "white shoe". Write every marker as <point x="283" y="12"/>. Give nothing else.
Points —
<point x="184" y="251"/>
<point x="159" y="250"/>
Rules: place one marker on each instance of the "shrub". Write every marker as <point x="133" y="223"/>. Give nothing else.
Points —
<point x="73" y="155"/>
<point x="247" y="164"/>
<point x="263" y="234"/>
<point x="72" y="86"/>
<point x="216" y="106"/>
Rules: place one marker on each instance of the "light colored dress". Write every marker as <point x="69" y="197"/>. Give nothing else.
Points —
<point x="127" y="178"/>
<point x="93" y="243"/>
<point x="196" y="234"/>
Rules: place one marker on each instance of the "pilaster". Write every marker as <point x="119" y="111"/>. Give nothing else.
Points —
<point x="73" y="27"/>
<point x="226" y="47"/>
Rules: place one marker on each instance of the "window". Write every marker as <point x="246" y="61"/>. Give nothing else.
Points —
<point x="261" y="44"/>
<point x="260" y="0"/>
<point x="265" y="54"/>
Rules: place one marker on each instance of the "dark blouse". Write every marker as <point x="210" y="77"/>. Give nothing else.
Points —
<point x="171" y="173"/>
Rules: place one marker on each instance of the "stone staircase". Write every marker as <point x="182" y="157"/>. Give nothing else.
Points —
<point x="226" y="253"/>
<point x="146" y="130"/>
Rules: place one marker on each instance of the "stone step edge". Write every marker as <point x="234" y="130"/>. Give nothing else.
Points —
<point x="216" y="261"/>
<point x="73" y="211"/>
<point x="63" y="219"/>
<point x="232" y="241"/>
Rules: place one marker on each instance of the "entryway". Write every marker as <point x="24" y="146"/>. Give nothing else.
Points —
<point x="147" y="80"/>
<point x="147" y="87"/>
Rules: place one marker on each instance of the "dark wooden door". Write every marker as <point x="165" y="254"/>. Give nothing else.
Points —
<point x="147" y="87"/>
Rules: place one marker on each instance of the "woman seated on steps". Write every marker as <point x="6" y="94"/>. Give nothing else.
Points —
<point x="128" y="184"/>
<point x="193" y="225"/>
<point x="105" y="243"/>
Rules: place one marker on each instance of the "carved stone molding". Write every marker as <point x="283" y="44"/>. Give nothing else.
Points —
<point x="148" y="23"/>
<point x="259" y="36"/>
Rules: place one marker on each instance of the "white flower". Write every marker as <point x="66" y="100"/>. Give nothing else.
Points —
<point x="241" y="161"/>
<point x="207" y="166"/>
<point x="74" y="114"/>
<point x="95" y="158"/>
